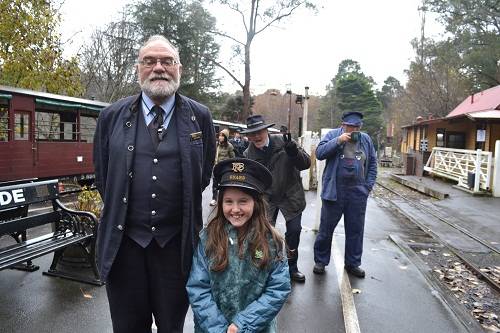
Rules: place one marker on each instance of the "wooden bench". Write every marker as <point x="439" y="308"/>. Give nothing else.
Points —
<point x="385" y="162"/>
<point x="68" y="228"/>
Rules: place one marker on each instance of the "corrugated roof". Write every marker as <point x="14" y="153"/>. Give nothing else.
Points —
<point x="488" y="99"/>
<point x="488" y="114"/>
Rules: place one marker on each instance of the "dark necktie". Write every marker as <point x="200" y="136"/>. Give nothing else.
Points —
<point x="155" y="126"/>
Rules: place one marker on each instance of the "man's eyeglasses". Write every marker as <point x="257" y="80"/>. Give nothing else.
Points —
<point x="149" y="62"/>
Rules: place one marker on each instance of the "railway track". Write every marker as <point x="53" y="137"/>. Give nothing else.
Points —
<point x="475" y="244"/>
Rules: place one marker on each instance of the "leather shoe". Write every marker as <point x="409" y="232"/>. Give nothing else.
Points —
<point x="297" y="276"/>
<point x="356" y="271"/>
<point x="319" y="268"/>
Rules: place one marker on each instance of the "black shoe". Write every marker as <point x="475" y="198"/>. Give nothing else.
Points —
<point x="297" y="276"/>
<point x="319" y="268"/>
<point x="356" y="271"/>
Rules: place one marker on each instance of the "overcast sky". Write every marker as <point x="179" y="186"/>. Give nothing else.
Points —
<point x="304" y="50"/>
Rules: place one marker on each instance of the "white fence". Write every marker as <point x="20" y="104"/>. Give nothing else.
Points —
<point x="456" y="164"/>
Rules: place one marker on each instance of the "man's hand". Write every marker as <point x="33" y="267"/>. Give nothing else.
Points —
<point x="344" y="138"/>
<point x="232" y="329"/>
<point x="290" y="146"/>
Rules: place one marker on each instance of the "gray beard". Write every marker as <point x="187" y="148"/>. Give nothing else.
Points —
<point x="159" y="92"/>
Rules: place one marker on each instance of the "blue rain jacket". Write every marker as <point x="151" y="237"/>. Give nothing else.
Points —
<point x="328" y="149"/>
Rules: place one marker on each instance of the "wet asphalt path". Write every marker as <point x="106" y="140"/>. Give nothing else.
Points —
<point x="394" y="297"/>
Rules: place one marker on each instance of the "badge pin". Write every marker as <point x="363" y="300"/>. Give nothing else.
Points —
<point x="238" y="167"/>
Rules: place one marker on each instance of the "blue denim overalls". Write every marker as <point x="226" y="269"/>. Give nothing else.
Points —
<point x="352" y="194"/>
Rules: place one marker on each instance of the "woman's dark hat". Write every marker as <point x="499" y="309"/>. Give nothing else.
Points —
<point x="255" y="123"/>
<point x="242" y="172"/>
<point x="352" y="118"/>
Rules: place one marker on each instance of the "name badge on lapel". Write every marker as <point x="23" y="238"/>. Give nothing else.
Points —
<point x="196" y="136"/>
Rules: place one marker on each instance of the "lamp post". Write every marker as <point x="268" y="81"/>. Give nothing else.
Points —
<point x="289" y="92"/>
<point x="306" y="111"/>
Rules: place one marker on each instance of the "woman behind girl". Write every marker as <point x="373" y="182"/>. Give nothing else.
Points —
<point x="225" y="150"/>
<point x="239" y="278"/>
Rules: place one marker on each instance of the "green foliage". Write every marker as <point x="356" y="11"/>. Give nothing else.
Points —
<point x="187" y="24"/>
<point x="351" y="90"/>
<point x="391" y="90"/>
<point x="89" y="201"/>
<point x="232" y="109"/>
<point x="355" y="93"/>
<point x="475" y="30"/>
<point x="108" y="60"/>
<point x="30" y="49"/>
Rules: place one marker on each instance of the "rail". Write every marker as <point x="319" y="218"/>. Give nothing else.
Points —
<point x="462" y="230"/>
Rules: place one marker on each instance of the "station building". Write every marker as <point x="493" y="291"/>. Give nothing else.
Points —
<point x="459" y="145"/>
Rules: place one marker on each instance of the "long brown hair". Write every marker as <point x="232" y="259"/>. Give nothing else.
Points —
<point x="257" y="229"/>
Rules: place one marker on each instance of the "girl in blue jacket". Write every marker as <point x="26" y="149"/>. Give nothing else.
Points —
<point x="239" y="278"/>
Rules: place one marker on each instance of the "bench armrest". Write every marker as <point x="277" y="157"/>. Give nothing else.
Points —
<point x="89" y="215"/>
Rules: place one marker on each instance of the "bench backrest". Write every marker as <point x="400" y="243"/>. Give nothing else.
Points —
<point x="15" y="200"/>
<point x="29" y="193"/>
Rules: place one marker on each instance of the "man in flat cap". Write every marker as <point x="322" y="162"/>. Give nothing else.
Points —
<point x="285" y="159"/>
<point x="349" y="176"/>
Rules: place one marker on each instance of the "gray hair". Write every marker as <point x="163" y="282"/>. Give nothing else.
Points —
<point x="155" y="38"/>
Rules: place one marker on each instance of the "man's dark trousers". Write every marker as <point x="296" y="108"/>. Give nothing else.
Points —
<point x="292" y="238"/>
<point x="351" y="202"/>
<point x="144" y="281"/>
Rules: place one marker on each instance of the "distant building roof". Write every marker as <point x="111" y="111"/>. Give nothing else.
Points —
<point x="486" y="100"/>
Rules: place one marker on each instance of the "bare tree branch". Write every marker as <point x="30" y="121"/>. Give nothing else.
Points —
<point x="215" y="32"/>
<point x="278" y="18"/>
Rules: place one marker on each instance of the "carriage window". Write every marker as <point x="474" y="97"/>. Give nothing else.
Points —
<point x="87" y="128"/>
<point x="47" y="126"/>
<point x="4" y="123"/>
<point x="21" y="126"/>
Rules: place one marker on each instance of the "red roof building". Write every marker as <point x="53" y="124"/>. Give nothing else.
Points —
<point x="473" y="124"/>
<point x="485" y="104"/>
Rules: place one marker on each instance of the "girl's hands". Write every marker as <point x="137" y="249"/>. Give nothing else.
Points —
<point x="232" y="329"/>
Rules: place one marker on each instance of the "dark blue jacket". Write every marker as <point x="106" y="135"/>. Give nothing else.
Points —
<point x="114" y="147"/>
<point x="328" y="149"/>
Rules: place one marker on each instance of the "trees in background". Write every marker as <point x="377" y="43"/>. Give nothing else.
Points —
<point x="436" y="83"/>
<point x="474" y="26"/>
<point x="109" y="59"/>
<point x="31" y="51"/>
<point x="445" y="71"/>
<point x="256" y="17"/>
<point x="352" y="90"/>
<point x="187" y="24"/>
<point x="108" y="62"/>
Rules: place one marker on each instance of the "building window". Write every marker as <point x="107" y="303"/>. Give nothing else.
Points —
<point x="4" y="123"/>
<point x="440" y="133"/>
<point x="455" y="140"/>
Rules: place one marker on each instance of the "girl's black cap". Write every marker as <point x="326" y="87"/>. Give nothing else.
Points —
<point x="242" y="172"/>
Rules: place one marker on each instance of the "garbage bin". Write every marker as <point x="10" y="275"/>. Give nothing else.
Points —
<point x="409" y="164"/>
<point x="471" y="179"/>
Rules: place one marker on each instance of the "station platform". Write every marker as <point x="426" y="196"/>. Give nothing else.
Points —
<point x="478" y="214"/>
<point x="385" y="301"/>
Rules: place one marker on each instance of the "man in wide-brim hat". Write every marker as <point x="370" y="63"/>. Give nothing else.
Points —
<point x="282" y="156"/>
